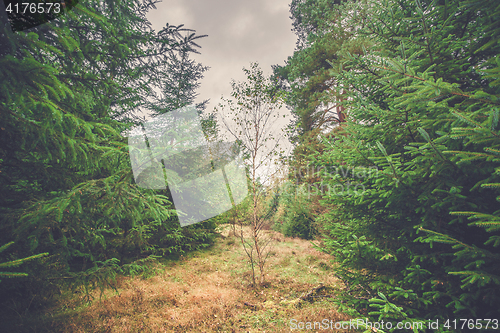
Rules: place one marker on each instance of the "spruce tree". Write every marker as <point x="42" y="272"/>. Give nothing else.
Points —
<point x="414" y="220"/>
<point x="179" y="82"/>
<point x="68" y="89"/>
<point x="15" y="263"/>
<point x="423" y="106"/>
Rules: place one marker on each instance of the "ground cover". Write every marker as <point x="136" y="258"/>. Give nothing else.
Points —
<point x="206" y="291"/>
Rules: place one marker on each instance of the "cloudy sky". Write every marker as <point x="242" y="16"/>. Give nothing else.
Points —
<point x="239" y="32"/>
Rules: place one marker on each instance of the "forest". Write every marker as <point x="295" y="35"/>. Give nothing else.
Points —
<point x="387" y="209"/>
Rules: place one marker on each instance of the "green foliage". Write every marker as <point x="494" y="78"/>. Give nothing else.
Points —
<point x="390" y="315"/>
<point x="309" y="76"/>
<point x="15" y="263"/>
<point x="179" y="81"/>
<point x="422" y="109"/>
<point x="297" y="219"/>
<point x="68" y="90"/>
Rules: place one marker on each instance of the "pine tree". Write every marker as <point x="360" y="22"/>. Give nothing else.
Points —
<point x="314" y="95"/>
<point x="179" y="82"/>
<point x="15" y="263"/>
<point x="423" y="110"/>
<point x="68" y="89"/>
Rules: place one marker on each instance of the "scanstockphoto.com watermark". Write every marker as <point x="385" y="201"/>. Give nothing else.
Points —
<point x="344" y="180"/>
<point x="356" y="324"/>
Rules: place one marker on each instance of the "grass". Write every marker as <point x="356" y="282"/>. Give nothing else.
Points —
<point x="206" y="291"/>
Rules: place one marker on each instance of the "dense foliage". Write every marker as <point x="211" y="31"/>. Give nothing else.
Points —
<point x="68" y="90"/>
<point x="396" y="105"/>
<point x="413" y="175"/>
<point x="297" y="216"/>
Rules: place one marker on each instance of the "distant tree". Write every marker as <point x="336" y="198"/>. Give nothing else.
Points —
<point x="179" y="81"/>
<point x="314" y="94"/>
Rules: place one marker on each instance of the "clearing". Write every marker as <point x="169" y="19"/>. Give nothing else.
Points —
<point x="207" y="291"/>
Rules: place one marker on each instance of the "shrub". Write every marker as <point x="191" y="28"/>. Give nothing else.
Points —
<point x="296" y="218"/>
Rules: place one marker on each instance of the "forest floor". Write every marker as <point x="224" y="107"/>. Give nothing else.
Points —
<point x="208" y="291"/>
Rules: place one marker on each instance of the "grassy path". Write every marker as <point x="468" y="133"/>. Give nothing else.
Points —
<point x="209" y="291"/>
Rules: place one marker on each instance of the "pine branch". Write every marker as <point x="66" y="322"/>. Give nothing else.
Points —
<point x="462" y="94"/>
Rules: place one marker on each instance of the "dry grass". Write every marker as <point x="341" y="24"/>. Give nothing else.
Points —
<point x="210" y="292"/>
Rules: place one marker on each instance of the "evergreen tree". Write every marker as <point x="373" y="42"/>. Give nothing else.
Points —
<point x="68" y="88"/>
<point x="423" y="110"/>
<point x="15" y="263"/>
<point x="179" y="82"/>
<point x="314" y="94"/>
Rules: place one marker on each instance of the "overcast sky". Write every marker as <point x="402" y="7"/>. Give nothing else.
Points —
<point x="239" y="32"/>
